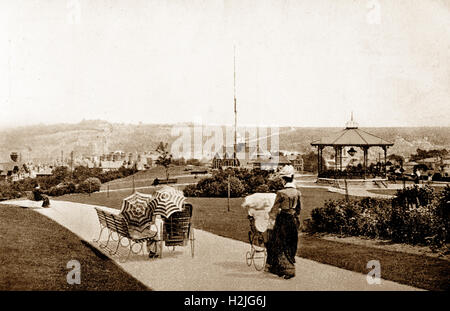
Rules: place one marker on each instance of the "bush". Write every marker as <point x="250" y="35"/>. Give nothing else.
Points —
<point x="62" y="188"/>
<point x="191" y="191"/>
<point x="62" y="181"/>
<point x="91" y="184"/>
<point x="262" y="188"/>
<point x="242" y="182"/>
<point x="7" y="192"/>
<point x="275" y="184"/>
<point x="414" y="216"/>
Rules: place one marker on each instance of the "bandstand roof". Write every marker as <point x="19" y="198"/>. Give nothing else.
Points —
<point x="351" y="136"/>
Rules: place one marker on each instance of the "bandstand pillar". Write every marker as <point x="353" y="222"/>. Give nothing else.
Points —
<point x="336" y="158"/>
<point x="319" y="159"/>
<point x="365" y="161"/>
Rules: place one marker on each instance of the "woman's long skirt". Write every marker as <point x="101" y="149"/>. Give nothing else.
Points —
<point x="282" y="246"/>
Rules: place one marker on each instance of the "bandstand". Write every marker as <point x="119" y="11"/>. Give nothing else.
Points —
<point x="362" y="175"/>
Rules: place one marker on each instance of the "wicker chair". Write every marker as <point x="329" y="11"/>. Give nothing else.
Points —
<point x="178" y="230"/>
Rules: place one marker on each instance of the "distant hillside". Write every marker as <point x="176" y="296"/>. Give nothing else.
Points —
<point x="45" y="142"/>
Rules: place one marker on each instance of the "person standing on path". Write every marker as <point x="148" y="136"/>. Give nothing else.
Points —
<point x="285" y="219"/>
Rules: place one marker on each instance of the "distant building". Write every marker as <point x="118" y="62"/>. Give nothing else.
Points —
<point x="409" y="167"/>
<point x="14" y="169"/>
<point x="296" y="162"/>
<point x="445" y="167"/>
<point x="272" y="163"/>
<point x="245" y="155"/>
<point x="111" y="165"/>
<point x="45" y="171"/>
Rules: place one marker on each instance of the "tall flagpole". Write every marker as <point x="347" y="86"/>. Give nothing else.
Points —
<point x="235" y="110"/>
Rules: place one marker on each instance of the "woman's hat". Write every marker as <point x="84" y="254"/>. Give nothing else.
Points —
<point x="287" y="171"/>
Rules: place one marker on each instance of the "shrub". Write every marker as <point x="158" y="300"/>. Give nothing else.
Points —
<point x="237" y="188"/>
<point x="415" y="216"/>
<point x="62" y="188"/>
<point x="262" y="188"/>
<point x="91" y="184"/>
<point x="275" y="184"/>
<point x="191" y="191"/>
<point x="7" y="192"/>
<point x="242" y="182"/>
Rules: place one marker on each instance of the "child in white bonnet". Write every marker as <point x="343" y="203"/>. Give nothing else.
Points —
<point x="258" y="206"/>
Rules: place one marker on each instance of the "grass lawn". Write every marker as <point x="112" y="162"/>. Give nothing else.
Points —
<point x="34" y="252"/>
<point x="211" y="214"/>
<point x="383" y="191"/>
<point x="436" y="189"/>
<point x="145" y="178"/>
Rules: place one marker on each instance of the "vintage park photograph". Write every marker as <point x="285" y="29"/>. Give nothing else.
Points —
<point x="225" y="145"/>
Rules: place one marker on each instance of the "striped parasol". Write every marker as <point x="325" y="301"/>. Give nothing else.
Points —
<point x="167" y="201"/>
<point x="137" y="211"/>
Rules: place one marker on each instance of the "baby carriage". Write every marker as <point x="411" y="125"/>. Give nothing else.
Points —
<point x="258" y="205"/>
<point x="257" y="254"/>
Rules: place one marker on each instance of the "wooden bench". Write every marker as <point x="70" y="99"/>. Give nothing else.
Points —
<point x="118" y="225"/>
<point x="199" y="172"/>
<point x="158" y="181"/>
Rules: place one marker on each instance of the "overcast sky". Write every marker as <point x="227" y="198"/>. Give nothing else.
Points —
<point x="299" y="63"/>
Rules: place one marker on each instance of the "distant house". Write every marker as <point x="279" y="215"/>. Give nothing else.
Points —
<point x="431" y="163"/>
<point x="245" y="156"/>
<point x="272" y="163"/>
<point x="13" y="169"/>
<point x="445" y="167"/>
<point x="8" y="169"/>
<point x="409" y="167"/>
<point x="111" y="165"/>
<point x="224" y="160"/>
<point x="296" y="162"/>
<point x="41" y="172"/>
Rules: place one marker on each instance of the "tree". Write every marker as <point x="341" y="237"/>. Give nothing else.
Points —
<point x="80" y="173"/>
<point x="91" y="184"/>
<point x="60" y="173"/>
<point x="310" y="162"/>
<point x="397" y="158"/>
<point x="165" y="157"/>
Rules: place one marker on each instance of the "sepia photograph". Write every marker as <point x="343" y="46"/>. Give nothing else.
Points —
<point x="224" y="150"/>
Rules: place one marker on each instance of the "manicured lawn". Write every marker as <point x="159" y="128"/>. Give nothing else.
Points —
<point x="383" y="191"/>
<point x="34" y="252"/>
<point x="145" y="178"/>
<point x="211" y="214"/>
<point x="436" y="189"/>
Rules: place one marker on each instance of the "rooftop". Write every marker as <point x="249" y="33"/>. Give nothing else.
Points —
<point x="351" y="136"/>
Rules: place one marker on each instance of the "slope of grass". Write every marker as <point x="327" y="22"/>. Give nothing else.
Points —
<point x="34" y="252"/>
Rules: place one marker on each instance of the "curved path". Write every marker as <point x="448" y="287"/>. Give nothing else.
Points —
<point x="219" y="263"/>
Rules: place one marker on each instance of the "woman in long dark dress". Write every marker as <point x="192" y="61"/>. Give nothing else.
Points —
<point x="282" y="244"/>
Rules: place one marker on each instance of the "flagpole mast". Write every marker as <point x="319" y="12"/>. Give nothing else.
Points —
<point x="235" y="110"/>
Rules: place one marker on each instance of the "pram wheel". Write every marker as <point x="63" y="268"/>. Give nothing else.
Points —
<point x="257" y="253"/>
<point x="259" y="259"/>
<point x="249" y="258"/>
